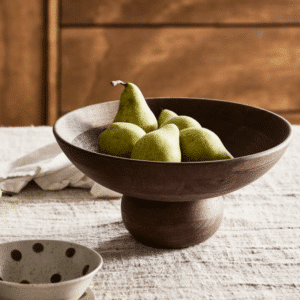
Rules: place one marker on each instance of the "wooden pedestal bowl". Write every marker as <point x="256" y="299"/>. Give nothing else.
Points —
<point x="176" y="205"/>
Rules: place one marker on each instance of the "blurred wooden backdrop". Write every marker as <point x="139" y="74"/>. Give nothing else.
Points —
<point x="59" y="55"/>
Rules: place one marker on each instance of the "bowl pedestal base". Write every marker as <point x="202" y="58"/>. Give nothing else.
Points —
<point x="163" y="224"/>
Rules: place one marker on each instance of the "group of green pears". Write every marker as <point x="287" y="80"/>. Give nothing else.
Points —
<point x="136" y="133"/>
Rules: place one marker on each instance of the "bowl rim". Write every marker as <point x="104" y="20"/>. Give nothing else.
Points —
<point x="281" y="145"/>
<point x="55" y="284"/>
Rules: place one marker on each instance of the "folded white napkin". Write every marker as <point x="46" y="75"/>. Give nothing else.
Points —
<point x="50" y="168"/>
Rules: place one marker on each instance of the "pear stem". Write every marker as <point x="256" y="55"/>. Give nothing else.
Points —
<point x="115" y="82"/>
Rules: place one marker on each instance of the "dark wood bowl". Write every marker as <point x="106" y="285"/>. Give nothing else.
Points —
<point x="176" y="205"/>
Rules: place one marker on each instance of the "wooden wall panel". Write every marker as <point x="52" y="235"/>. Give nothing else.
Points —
<point x="21" y="63"/>
<point x="244" y="51"/>
<point x="181" y="11"/>
<point x="53" y="61"/>
<point x="257" y="66"/>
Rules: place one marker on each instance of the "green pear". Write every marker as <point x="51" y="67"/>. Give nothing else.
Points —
<point x="182" y="122"/>
<point x="201" y="144"/>
<point x="133" y="108"/>
<point x="165" y="115"/>
<point x="159" y="145"/>
<point x="119" y="138"/>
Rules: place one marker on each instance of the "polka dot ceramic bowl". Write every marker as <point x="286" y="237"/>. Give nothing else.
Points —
<point x="46" y="270"/>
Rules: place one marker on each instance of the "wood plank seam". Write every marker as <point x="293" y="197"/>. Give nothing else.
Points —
<point x="181" y="25"/>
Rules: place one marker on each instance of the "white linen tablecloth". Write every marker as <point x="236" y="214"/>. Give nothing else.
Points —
<point x="255" y="254"/>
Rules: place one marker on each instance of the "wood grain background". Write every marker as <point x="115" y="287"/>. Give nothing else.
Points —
<point x="181" y="11"/>
<point x="61" y="57"/>
<point x="241" y="51"/>
<point x="22" y="80"/>
<point x="182" y="62"/>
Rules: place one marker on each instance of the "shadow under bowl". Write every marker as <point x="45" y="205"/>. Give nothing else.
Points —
<point x="174" y="205"/>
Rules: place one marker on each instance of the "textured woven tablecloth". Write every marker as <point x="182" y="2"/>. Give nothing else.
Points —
<point x="255" y="254"/>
